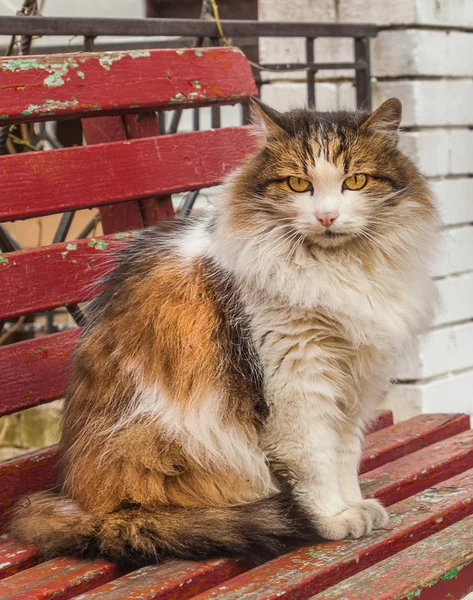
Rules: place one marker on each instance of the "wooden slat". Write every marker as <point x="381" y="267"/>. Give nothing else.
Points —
<point x="174" y="579"/>
<point x="57" y="275"/>
<point x="72" y="178"/>
<point x="311" y="569"/>
<point x="394" y="442"/>
<point x="35" y="371"/>
<point x="384" y="419"/>
<point x="29" y="473"/>
<point x="417" y="471"/>
<point x="15" y="557"/>
<point x="85" y="84"/>
<point x="438" y="568"/>
<point x="59" y="578"/>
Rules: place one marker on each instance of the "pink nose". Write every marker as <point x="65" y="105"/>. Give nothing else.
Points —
<point x="326" y="219"/>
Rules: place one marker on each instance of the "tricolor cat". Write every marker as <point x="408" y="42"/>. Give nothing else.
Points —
<point x="222" y="383"/>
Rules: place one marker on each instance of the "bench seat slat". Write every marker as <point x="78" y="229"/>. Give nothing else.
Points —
<point x="56" y="275"/>
<point x="15" y="557"/>
<point x="172" y="580"/>
<point x="35" y="371"/>
<point x="417" y="471"/>
<point x="312" y="569"/>
<point x="84" y="84"/>
<point x="89" y="176"/>
<point x="436" y="568"/>
<point x="32" y="472"/>
<point x="407" y="437"/>
<point x="59" y="578"/>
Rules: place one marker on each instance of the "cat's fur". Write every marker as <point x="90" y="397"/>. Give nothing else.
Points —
<point x="222" y="383"/>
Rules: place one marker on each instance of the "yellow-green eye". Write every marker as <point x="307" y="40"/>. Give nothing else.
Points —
<point x="299" y="185"/>
<point x="355" y="182"/>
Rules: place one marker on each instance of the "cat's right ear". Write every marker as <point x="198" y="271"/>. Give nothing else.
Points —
<point x="267" y="121"/>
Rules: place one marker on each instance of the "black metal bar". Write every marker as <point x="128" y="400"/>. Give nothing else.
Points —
<point x="162" y="122"/>
<point x="63" y="227"/>
<point x="7" y="242"/>
<point x="178" y="27"/>
<point x="312" y="67"/>
<point x="89" y="43"/>
<point x="89" y="227"/>
<point x="4" y="131"/>
<point x="189" y="202"/>
<point x="215" y="121"/>
<point x="363" y="73"/>
<point x="76" y="314"/>
<point x="309" y="56"/>
<point x="196" y="119"/>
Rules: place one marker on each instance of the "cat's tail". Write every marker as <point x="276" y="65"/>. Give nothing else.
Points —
<point x="256" y="531"/>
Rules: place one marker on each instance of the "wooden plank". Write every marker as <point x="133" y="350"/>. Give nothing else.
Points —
<point x="125" y="215"/>
<point x="59" y="578"/>
<point x="15" y="557"/>
<point x="172" y="580"/>
<point x="311" y="569"/>
<point x="417" y="471"/>
<point x="84" y="84"/>
<point x="406" y="437"/>
<point x="32" y="472"/>
<point x="134" y="169"/>
<point x="35" y="371"/>
<point x="57" y="275"/>
<point x="438" y="568"/>
<point x="384" y="419"/>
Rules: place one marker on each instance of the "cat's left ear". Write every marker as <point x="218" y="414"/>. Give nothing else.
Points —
<point x="386" y="119"/>
<point x="267" y="121"/>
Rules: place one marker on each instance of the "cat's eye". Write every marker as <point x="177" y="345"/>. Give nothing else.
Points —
<point x="299" y="185"/>
<point x="355" y="182"/>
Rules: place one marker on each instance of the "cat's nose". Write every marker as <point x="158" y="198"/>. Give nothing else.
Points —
<point x="326" y="219"/>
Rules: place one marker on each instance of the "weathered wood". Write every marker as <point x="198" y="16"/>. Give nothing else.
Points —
<point x="85" y="84"/>
<point x="404" y="438"/>
<point x="118" y="171"/>
<point x="32" y="472"/>
<point x="15" y="557"/>
<point x="57" y="275"/>
<point x="417" y="471"/>
<point x="124" y="215"/>
<point x="35" y="371"/>
<point x="171" y="581"/>
<point x="438" y="568"/>
<point x="59" y="578"/>
<point x="384" y="419"/>
<point x="311" y="569"/>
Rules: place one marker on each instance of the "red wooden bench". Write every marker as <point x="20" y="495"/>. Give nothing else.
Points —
<point x="422" y="469"/>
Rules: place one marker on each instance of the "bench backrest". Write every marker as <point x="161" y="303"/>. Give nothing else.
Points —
<point x="126" y="169"/>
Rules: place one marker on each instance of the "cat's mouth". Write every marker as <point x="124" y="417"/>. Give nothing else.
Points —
<point x="333" y="234"/>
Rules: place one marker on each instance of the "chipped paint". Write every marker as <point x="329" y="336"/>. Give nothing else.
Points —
<point x="198" y="53"/>
<point x="106" y="60"/>
<point x="3" y="116"/>
<point x="181" y="51"/>
<point x="80" y="74"/>
<point x="3" y="259"/>
<point x="54" y="80"/>
<point x="50" y="106"/>
<point x="71" y="246"/>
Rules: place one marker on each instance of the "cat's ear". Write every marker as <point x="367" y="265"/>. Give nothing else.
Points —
<point x="386" y="119"/>
<point x="267" y="121"/>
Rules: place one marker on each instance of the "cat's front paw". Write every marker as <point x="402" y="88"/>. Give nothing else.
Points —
<point x="354" y="522"/>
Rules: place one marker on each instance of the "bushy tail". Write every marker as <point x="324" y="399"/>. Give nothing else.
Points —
<point x="256" y="531"/>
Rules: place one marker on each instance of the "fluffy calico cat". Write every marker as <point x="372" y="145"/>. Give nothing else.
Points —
<point x="221" y="386"/>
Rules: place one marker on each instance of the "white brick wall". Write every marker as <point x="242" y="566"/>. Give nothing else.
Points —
<point x="427" y="64"/>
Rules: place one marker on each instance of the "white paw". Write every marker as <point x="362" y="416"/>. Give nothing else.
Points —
<point x="353" y="522"/>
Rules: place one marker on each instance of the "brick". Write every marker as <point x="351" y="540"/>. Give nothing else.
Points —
<point x="461" y="151"/>
<point x="429" y="150"/>
<point x="442" y="351"/>
<point x="406" y="12"/>
<point x="456" y="254"/>
<point x="406" y="52"/>
<point x="434" y="396"/>
<point x="284" y="95"/>
<point x="429" y="103"/>
<point x="455" y="197"/>
<point x="456" y="294"/>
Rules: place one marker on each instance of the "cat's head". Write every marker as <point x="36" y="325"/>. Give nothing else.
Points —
<point x="330" y="177"/>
